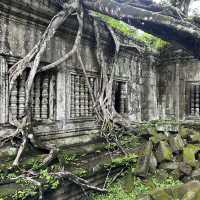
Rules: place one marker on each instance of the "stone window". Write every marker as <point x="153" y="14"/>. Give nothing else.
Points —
<point x="193" y="98"/>
<point x="81" y="105"/>
<point x="43" y="97"/>
<point x="120" y="96"/>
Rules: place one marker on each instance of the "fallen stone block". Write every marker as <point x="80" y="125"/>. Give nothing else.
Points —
<point x="189" y="154"/>
<point x="159" y="137"/>
<point x="164" y="152"/>
<point x="185" y="168"/>
<point x="7" y="153"/>
<point x="188" y="191"/>
<point x="143" y="162"/>
<point x="167" y="127"/>
<point x="169" y="165"/>
<point x="194" y="137"/>
<point x="184" y="132"/>
<point x="176" y="143"/>
<point x="153" y="163"/>
<point x="196" y="174"/>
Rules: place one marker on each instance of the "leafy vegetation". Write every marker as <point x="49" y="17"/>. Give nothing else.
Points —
<point x="130" y="187"/>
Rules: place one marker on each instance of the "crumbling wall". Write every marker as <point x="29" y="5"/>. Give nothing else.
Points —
<point x="21" y="26"/>
<point x="176" y="70"/>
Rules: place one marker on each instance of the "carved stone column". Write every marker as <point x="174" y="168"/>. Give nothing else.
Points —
<point x="13" y="102"/>
<point x="45" y="95"/>
<point x="52" y="97"/>
<point x="90" y="100"/>
<point x="72" y="96"/>
<point x="82" y="82"/>
<point x="37" y="98"/>
<point x="3" y="90"/>
<point x="22" y="95"/>
<point x="86" y="100"/>
<point x="77" y="85"/>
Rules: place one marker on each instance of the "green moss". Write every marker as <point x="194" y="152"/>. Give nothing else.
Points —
<point x="164" y="152"/>
<point x="189" y="154"/>
<point x="184" y="132"/>
<point x="150" y="40"/>
<point x="123" y="160"/>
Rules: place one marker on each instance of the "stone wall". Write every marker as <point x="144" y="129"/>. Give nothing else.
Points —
<point x="177" y="71"/>
<point x="21" y="26"/>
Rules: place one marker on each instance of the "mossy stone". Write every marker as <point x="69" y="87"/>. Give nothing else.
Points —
<point x="189" y="154"/>
<point x="184" y="132"/>
<point x="158" y="137"/>
<point x="176" y="143"/>
<point x="7" y="153"/>
<point x="194" y="136"/>
<point x="164" y="152"/>
<point x="161" y="194"/>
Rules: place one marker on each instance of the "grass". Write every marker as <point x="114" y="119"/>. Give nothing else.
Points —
<point x="130" y="187"/>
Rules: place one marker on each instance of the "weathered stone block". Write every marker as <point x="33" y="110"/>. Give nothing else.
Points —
<point x="161" y="194"/>
<point x="185" y="168"/>
<point x="143" y="162"/>
<point x="159" y="137"/>
<point x="7" y="153"/>
<point x="189" y="154"/>
<point x="167" y="127"/>
<point x="182" y="191"/>
<point x="188" y="191"/>
<point x="153" y="163"/>
<point x="196" y="174"/>
<point x="194" y="137"/>
<point x="169" y="165"/>
<point x="176" y="143"/>
<point x="164" y="152"/>
<point x="184" y="132"/>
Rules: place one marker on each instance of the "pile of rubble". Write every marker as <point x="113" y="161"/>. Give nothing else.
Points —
<point x="172" y="147"/>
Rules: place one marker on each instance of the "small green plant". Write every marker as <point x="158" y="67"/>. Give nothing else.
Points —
<point x="130" y="158"/>
<point x="81" y="172"/>
<point x="130" y="187"/>
<point x="69" y="157"/>
<point x="50" y="180"/>
<point x="23" y="194"/>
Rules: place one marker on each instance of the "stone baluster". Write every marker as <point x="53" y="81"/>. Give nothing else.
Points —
<point x="33" y="100"/>
<point x="197" y="100"/>
<point x="72" y="96"/>
<point x="125" y="97"/>
<point x="121" y="88"/>
<point x="3" y="90"/>
<point x="76" y="89"/>
<point x="37" y="98"/>
<point x="86" y="100"/>
<point x="82" y="83"/>
<point x="52" y="97"/>
<point x="21" y="99"/>
<point x="91" y="80"/>
<point x="192" y="102"/>
<point x="13" y="102"/>
<point x="45" y="97"/>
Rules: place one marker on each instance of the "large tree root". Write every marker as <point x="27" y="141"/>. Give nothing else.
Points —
<point x="33" y="178"/>
<point x="32" y="61"/>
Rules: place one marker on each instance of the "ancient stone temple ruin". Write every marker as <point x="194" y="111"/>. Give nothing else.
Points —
<point x="147" y="86"/>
